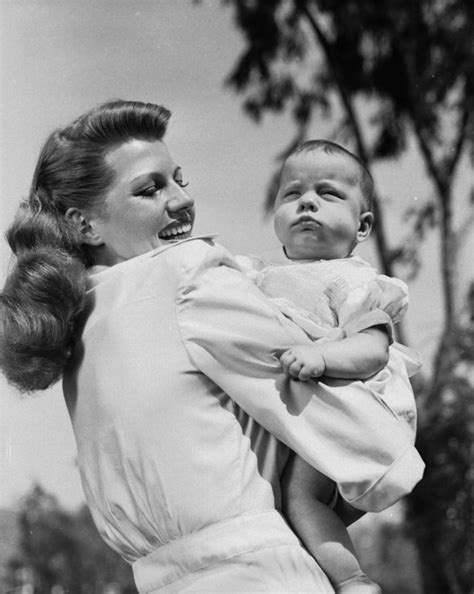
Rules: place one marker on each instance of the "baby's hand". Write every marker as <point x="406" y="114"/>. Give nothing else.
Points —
<point x="303" y="362"/>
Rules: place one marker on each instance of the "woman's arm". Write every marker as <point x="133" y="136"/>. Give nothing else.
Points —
<point x="227" y="326"/>
<point x="358" y="356"/>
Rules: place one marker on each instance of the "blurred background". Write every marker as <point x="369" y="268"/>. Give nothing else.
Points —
<point x="393" y="81"/>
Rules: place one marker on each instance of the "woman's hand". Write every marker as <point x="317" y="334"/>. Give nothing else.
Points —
<point x="303" y="362"/>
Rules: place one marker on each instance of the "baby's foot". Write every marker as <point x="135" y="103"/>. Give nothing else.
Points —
<point x="358" y="584"/>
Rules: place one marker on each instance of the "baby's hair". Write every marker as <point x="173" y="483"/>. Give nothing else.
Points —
<point x="329" y="147"/>
<point x="45" y="293"/>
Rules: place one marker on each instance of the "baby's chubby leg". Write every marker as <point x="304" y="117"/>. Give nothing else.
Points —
<point x="305" y="497"/>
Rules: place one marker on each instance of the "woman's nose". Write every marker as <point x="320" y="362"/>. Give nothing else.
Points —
<point x="179" y="200"/>
<point x="308" y="201"/>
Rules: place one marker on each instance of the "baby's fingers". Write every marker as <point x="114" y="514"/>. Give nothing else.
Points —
<point x="305" y="373"/>
<point x="294" y="369"/>
<point x="290" y="364"/>
<point x="286" y="360"/>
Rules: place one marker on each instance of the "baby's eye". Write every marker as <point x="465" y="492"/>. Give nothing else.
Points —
<point x="181" y="183"/>
<point x="332" y="194"/>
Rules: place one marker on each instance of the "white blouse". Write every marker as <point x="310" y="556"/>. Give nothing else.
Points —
<point x="179" y="348"/>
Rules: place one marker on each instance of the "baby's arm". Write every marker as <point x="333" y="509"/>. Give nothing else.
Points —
<point x="305" y="496"/>
<point x="358" y="356"/>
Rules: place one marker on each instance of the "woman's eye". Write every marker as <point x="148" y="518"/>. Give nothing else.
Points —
<point x="148" y="192"/>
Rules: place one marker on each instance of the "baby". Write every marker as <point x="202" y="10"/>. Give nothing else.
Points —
<point x="322" y="212"/>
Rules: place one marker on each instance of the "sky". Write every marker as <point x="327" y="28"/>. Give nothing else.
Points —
<point x="59" y="58"/>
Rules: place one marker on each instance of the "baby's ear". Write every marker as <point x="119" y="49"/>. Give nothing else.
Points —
<point x="366" y="221"/>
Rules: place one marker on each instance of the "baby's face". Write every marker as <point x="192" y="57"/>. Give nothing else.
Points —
<point x="319" y="213"/>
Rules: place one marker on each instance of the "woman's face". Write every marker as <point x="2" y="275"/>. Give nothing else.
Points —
<point x="146" y="205"/>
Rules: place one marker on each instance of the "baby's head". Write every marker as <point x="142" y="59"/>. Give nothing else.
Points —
<point x="323" y="204"/>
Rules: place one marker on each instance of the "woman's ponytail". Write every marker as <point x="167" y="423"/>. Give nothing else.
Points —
<point x="40" y="305"/>
<point x="42" y="298"/>
<point x="45" y="291"/>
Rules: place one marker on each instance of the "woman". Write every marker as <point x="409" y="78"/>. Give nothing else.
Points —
<point x="163" y="344"/>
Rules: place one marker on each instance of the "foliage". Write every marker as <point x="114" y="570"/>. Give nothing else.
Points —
<point x="442" y="505"/>
<point x="386" y="73"/>
<point x="58" y="548"/>
<point x="413" y="61"/>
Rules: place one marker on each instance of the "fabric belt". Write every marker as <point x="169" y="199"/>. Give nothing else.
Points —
<point x="211" y="545"/>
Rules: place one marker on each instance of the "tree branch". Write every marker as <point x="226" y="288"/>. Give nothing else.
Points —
<point x="442" y="177"/>
<point x="459" y="145"/>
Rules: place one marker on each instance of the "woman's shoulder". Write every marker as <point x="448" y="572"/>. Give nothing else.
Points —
<point x="180" y="254"/>
<point x="197" y="251"/>
<point x="157" y="274"/>
<point x="190" y="259"/>
<point x="146" y="269"/>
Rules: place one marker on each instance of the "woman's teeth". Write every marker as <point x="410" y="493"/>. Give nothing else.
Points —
<point x="175" y="231"/>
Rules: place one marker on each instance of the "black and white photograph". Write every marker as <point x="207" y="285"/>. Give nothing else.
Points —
<point x="237" y="296"/>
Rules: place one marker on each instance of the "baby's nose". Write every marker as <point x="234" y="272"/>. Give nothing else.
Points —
<point x="309" y="201"/>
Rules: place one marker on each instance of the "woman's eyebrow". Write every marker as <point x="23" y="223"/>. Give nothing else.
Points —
<point x="144" y="178"/>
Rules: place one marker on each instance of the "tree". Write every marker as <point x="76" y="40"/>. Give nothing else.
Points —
<point x="48" y="549"/>
<point x="63" y="551"/>
<point x="388" y="72"/>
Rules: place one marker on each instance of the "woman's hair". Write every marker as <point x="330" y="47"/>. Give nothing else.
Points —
<point x="45" y="292"/>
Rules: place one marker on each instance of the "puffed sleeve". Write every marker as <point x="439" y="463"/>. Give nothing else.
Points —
<point x="235" y="336"/>
<point x="366" y="299"/>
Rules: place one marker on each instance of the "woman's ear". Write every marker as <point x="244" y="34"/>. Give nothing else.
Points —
<point x="85" y="228"/>
<point x="366" y="221"/>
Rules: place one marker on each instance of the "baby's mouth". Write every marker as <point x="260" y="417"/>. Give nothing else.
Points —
<point x="307" y="222"/>
<point x="179" y="230"/>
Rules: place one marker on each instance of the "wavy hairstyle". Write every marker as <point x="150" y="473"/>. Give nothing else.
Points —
<point x="45" y="292"/>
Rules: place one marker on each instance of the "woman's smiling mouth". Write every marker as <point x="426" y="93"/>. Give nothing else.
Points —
<point x="179" y="230"/>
